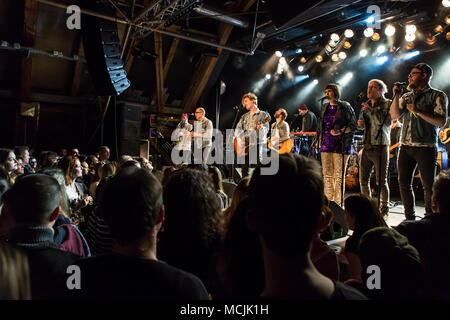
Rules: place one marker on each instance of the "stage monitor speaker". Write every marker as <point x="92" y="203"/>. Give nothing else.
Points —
<point x="102" y="50"/>
<point x="123" y="126"/>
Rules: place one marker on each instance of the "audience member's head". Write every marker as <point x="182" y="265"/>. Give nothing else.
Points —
<point x="132" y="203"/>
<point x="22" y="152"/>
<point x="145" y="163"/>
<point x="98" y="169"/>
<point x="216" y="177"/>
<point x="103" y="153"/>
<point x="362" y="214"/>
<point x="401" y="272"/>
<point x="441" y="192"/>
<point x="8" y="160"/>
<point x="71" y="167"/>
<point x="14" y="274"/>
<point x="130" y="163"/>
<point x="240" y="193"/>
<point x="43" y="196"/>
<point x="4" y="184"/>
<point x="288" y="227"/>
<point x="48" y="159"/>
<point x="59" y="176"/>
<point x="122" y="159"/>
<point x="108" y="169"/>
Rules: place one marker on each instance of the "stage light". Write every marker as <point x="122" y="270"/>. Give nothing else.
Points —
<point x="349" y="33"/>
<point x="319" y="58"/>
<point x="446" y="3"/>
<point x="346" y="79"/>
<point x="430" y="40"/>
<point x="268" y="76"/>
<point x="347" y="45"/>
<point x="303" y="60"/>
<point x="368" y="32"/>
<point x="447" y="19"/>
<point x="410" y="37"/>
<point x="410" y="46"/>
<point x="370" y="20"/>
<point x="342" y="55"/>
<point x="438" y="29"/>
<point x="390" y="30"/>
<point x="382" y="60"/>
<point x="300" y="68"/>
<point x="332" y="43"/>
<point x="375" y="36"/>
<point x="334" y="57"/>
<point x="315" y="81"/>
<point x="299" y="51"/>
<point x="328" y="48"/>
<point x="447" y="36"/>
<point x="410" y="55"/>
<point x="392" y="49"/>
<point x="334" y="37"/>
<point x="363" y="52"/>
<point x="278" y="54"/>
<point x="381" y="49"/>
<point x="410" y="28"/>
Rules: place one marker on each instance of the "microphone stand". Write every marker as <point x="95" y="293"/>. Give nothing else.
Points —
<point x="233" y="127"/>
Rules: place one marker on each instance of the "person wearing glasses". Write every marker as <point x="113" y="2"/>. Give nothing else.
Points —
<point x="422" y="111"/>
<point x="202" y="135"/>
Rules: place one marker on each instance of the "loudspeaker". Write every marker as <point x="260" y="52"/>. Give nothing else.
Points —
<point x="123" y="128"/>
<point x="102" y="51"/>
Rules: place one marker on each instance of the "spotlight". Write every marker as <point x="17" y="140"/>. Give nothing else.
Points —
<point x="319" y="58"/>
<point x="381" y="49"/>
<point x="363" y="52"/>
<point x="368" y="32"/>
<point x="370" y="20"/>
<point x="411" y="54"/>
<point x="390" y="30"/>
<point x="349" y="33"/>
<point x="300" y="68"/>
<point x="315" y="81"/>
<point x="430" y="40"/>
<point x="268" y="76"/>
<point x="334" y="57"/>
<point x="382" y="60"/>
<point x="438" y="29"/>
<point x="299" y="51"/>
<point x="328" y="48"/>
<point x="375" y="36"/>
<point x="342" y="55"/>
<point x="410" y="37"/>
<point x="347" y="45"/>
<point x="332" y="43"/>
<point x="447" y="19"/>
<point x="410" y="28"/>
<point x="446" y="3"/>
<point x="278" y="54"/>
<point x="447" y="36"/>
<point x="410" y="46"/>
<point x="303" y="60"/>
<point x="334" y="37"/>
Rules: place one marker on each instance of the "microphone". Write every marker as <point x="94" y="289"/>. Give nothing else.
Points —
<point x="400" y="84"/>
<point x="323" y="98"/>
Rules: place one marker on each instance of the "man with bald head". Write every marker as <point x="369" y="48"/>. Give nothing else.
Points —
<point x="32" y="206"/>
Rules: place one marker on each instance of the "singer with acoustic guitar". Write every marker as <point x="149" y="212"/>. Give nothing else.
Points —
<point x="251" y="130"/>
<point x="423" y="110"/>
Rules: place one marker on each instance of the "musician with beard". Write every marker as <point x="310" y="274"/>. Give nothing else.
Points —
<point x="423" y="110"/>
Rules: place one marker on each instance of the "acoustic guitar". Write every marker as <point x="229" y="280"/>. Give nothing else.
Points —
<point x="446" y="136"/>
<point x="242" y="144"/>
<point x="283" y="147"/>
<point x="351" y="179"/>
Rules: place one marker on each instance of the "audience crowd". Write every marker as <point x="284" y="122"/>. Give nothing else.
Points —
<point x="185" y="234"/>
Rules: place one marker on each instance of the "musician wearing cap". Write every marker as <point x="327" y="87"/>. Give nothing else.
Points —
<point x="306" y="121"/>
<point x="376" y="121"/>
<point x="336" y="126"/>
<point x="422" y="111"/>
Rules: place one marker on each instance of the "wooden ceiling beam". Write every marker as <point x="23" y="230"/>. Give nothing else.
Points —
<point x="206" y="64"/>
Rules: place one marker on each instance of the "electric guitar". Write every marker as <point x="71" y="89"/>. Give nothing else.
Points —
<point x="242" y="144"/>
<point x="446" y="136"/>
<point x="283" y="147"/>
